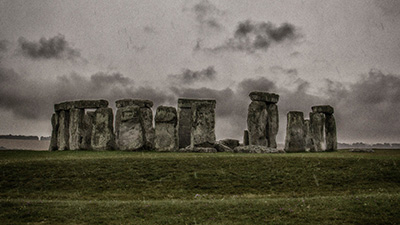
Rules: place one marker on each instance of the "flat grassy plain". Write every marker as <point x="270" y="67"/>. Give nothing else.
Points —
<point x="114" y="187"/>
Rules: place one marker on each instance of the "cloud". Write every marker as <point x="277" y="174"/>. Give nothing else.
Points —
<point x="53" y="48"/>
<point x="252" y="36"/>
<point x="4" y="45"/>
<point x="189" y="77"/>
<point x="149" y="30"/>
<point x="281" y="70"/>
<point x="207" y="16"/>
<point x="30" y="99"/>
<point x="389" y="7"/>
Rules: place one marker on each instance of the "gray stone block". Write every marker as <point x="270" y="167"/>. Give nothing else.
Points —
<point x="264" y="97"/>
<point x="327" y="109"/>
<point x="295" y="141"/>
<point x="257" y="119"/>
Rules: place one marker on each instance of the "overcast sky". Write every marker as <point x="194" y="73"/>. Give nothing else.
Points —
<point x="310" y="52"/>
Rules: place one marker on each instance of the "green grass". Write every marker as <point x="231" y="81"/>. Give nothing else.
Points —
<point x="184" y="188"/>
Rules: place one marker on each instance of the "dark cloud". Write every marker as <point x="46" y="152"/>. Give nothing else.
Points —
<point x="53" y="48"/>
<point x="258" y="36"/>
<point x="4" y="45"/>
<point x="281" y="70"/>
<point x="188" y="76"/>
<point x="149" y="30"/>
<point x="34" y="100"/>
<point x="207" y="16"/>
<point x="389" y="7"/>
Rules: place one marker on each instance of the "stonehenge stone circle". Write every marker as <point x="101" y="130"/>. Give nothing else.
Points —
<point x="263" y="119"/>
<point x="196" y="122"/>
<point x="74" y="129"/>
<point x="295" y="141"/>
<point x="134" y="124"/>
<point x="166" y="133"/>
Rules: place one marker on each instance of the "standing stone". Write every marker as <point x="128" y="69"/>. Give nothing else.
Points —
<point x="246" y="137"/>
<point x="130" y="132"/>
<point x="54" y="123"/>
<point x="295" y="132"/>
<point x="330" y="128"/>
<point x="307" y="136"/>
<point x="272" y="125"/>
<point x="88" y="121"/>
<point x="203" y="125"/>
<point x="102" y="131"/>
<point x="63" y="130"/>
<point x="185" y="119"/>
<point x="134" y="124"/>
<point x="257" y="120"/>
<point x="317" y="130"/>
<point x="76" y="127"/>
<point x="166" y="135"/>
<point x="146" y="115"/>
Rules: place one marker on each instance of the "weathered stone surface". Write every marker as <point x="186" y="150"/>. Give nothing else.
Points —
<point x="138" y="102"/>
<point x="185" y="120"/>
<point x="81" y="104"/>
<point x="187" y="102"/>
<point x="272" y="125"/>
<point x="256" y="149"/>
<point x="166" y="134"/>
<point x="264" y="97"/>
<point x="129" y="129"/>
<point x="330" y="129"/>
<point x="231" y="143"/>
<point x="222" y="148"/>
<point x="54" y="123"/>
<point x="146" y="116"/>
<point x="76" y="126"/>
<point x="246" y="140"/>
<point x="307" y="136"/>
<point x="327" y="109"/>
<point x="166" y="114"/>
<point x="63" y="130"/>
<point x="184" y="126"/>
<point x="203" y="124"/>
<point x="317" y="129"/>
<point x="198" y="149"/>
<point x="257" y="119"/>
<point x="295" y="141"/>
<point x="88" y="121"/>
<point x="102" y="131"/>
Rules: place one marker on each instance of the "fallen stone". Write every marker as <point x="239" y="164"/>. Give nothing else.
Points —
<point x="362" y="150"/>
<point x="222" y="148"/>
<point x="138" y="102"/>
<point x="203" y="124"/>
<point x="198" y="149"/>
<point x="102" y="131"/>
<point x="257" y="119"/>
<point x="295" y="141"/>
<point x="327" y="109"/>
<point x="231" y="143"/>
<point x="256" y="149"/>
<point x="264" y="97"/>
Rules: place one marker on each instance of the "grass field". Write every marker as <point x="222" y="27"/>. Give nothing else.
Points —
<point x="113" y="187"/>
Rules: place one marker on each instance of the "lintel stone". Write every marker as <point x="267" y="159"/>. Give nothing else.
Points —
<point x="327" y="109"/>
<point x="187" y="102"/>
<point x="264" y="97"/>
<point x="81" y="104"/>
<point x="139" y="102"/>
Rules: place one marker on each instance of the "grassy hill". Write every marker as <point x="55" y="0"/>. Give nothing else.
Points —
<point x="185" y="188"/>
